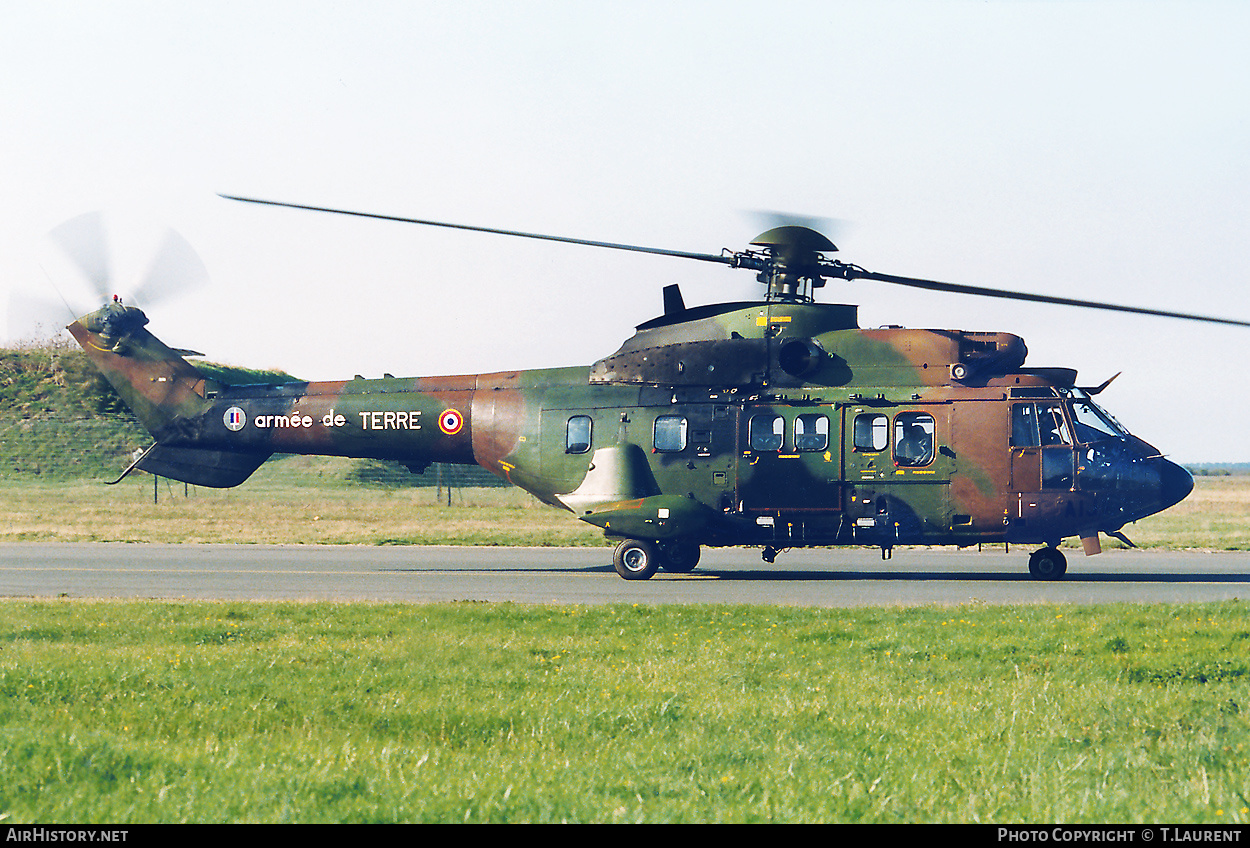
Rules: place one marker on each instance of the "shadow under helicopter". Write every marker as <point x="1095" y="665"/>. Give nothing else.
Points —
<point x="771" y="575"/>
<point x="953" y="577"/>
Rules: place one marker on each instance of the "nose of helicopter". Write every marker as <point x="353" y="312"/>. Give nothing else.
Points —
<point x="1175" y="484"/>
<point x="1134" y="481"/>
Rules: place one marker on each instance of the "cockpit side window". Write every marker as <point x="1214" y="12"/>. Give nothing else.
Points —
<point x="1037" y="424"/>
<point x="1024" y="426"/>
<point x="1052" y="424"/>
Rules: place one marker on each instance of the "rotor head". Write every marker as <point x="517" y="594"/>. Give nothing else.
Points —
<point x="794" y="261"/>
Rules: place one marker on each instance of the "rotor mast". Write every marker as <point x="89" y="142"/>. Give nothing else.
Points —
<point x="790" y="264"/>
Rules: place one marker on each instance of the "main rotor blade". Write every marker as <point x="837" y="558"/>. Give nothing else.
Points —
<point x="702" y="257"/>
<point x="932" y="285"/>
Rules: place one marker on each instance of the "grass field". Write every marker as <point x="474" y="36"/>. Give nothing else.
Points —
<point x="278" y="712"/>
<point x="304" y="500"/>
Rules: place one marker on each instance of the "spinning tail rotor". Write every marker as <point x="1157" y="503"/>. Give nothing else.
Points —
<point x="174" y="270"/>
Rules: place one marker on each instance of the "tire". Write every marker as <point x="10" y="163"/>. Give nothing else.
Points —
<point x="1047" y="564"/>
<point x="679" y="557"/>
<point x="636" y="559"/>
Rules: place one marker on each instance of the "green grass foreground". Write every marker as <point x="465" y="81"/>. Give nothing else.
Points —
<point x="281" y="712"/>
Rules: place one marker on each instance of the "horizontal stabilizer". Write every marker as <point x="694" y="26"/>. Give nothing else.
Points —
<point x="200" y="466"/>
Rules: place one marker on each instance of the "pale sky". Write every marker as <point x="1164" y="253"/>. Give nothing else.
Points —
<point x="1090" y="150"/>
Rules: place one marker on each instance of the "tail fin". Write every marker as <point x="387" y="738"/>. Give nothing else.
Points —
<point x="169" y="396"/>
<point x="155" y="382"/>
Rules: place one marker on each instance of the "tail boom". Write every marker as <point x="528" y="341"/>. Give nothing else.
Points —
<point x="213" y="434"/>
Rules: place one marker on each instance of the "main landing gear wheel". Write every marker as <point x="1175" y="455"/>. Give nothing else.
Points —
<point x="636" y="559"/>
<point x="1047" y="564"/>
<point x="679" y="557"/>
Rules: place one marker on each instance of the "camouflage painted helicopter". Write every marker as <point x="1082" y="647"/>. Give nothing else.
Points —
<point x="777" y="423"/>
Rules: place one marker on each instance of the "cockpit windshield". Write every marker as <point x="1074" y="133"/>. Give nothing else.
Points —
<point x="1092" y="423"/>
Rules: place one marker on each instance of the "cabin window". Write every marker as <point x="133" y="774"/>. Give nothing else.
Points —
<point x="872" y="432"/>
<point x="768" y="432"/>
<point x="577" y="434"/>
<point x="913" y="439"/>
<point x="811" y="433"/>
<point x="670" y="433"/>
<point x="1034" y="424"/>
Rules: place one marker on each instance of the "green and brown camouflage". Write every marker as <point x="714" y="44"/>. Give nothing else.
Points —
<point x="777" y="424"/>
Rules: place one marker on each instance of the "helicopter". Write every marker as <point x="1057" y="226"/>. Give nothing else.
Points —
<point x="775" y="423"/>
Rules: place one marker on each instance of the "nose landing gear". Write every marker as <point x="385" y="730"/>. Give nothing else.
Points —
<point x="1047" y="564"/>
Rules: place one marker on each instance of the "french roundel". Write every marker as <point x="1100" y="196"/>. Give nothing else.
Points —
<point x="450" y="422"/>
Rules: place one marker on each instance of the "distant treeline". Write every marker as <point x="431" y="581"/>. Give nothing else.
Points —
<point x="1219" y="469"/>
